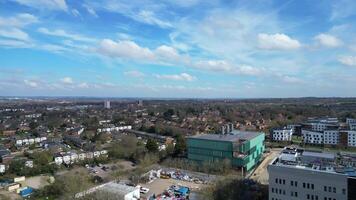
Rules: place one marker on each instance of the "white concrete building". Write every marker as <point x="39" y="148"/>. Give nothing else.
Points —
<point x="282" y="134"/>
<point x="107" y="104"/>
<point x="350" y="120"/>
<point x="331" y="137"/>
<point x="351" y="138"/>
<point x="312" y="137"/>
<point x="122" y="191"/>
<point x="118" y="128"/>
<point x="2" y="168"/>
<point x="314" y="178"/>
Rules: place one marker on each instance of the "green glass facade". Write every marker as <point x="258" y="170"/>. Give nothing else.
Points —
<point x="240" y="153"/>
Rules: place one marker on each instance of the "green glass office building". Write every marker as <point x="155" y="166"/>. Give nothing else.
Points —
<point x="244" y="149"/>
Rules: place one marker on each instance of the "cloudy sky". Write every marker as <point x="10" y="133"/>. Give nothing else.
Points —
<point x="178" y="48"/>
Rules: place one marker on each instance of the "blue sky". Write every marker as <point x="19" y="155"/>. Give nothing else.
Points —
<point x="178" y="48"/>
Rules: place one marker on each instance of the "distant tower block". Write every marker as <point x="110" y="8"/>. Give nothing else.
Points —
<point x="140" y="102"/>
<point x="107" y="104"/>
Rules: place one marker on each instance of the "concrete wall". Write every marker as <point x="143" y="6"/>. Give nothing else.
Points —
<point x="316" y="180"/>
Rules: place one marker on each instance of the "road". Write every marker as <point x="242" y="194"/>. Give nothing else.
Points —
<point x="260" y="174"/>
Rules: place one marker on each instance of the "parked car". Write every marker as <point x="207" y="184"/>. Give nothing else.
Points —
<point x="144" y="190"/>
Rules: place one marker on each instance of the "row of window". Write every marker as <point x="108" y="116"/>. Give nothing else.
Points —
<point x="306" y="185"/>
<point x="280" y="181"/>
<point x="333" y="189"/>
<point x="278" y="191"/>
<point x="312" y="197"/>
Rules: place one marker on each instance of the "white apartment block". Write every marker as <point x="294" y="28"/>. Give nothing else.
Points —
<point x="352" y="126"/>
<point x="350" y="120"/>
<point x="351" y="138"/>
<point x="331" y="137"/>
<point x="318" y="126"/>
<point x="283" y="134"/>
<point x="312" y="137"/>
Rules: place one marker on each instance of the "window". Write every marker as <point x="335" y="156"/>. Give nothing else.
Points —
<point x="276" y="180"/>
<point x="343" y="191"/>
<point x="296" y="194"/>
<point x="334" y="189"/>
<point x="272" y="190"/>
<point x="308" y="185"/>
<point x="329" y="189"/>
<point x="325" y="189"/>
<point x="303" y="185"/>
<point x="296" y="184"/>
<point x="308" y="196"/>
<point x="312" y="186"/>
<point x="291" y="183"/>
<point x="284" y="181"/>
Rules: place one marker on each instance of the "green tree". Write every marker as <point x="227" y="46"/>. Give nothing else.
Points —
<point x="33" y="125"/>
<point x="180" y="146"/>
<point x="151" y="145"/>
<point x="235" y="190"/>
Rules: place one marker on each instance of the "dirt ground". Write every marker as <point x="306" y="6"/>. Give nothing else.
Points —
<point x="9" y="195"/>
<point x="260" y="174"/>
<point x="158" y="186"/>
<point x="37" y="182"/>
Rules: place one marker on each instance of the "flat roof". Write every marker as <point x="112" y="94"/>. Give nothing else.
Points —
<point x="319" y="154"/>
<point x="119" y="189"/>
<point x="234" y="136"/>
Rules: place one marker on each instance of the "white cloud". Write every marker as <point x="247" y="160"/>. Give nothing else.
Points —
<point x="224" y="66"/>
<point x="291" y="79"/>
<point x="248" y="70"/>
<point x="14" y="33"/>
<point x="11" y="30"/>
<point x="144" y="12"/>
<point x="177" y="77"/>
<point x="83" y="85"/>
<point x="67" y="80"/>
<point x="342" y="9"/>
<point x="167" y="53"/>
<point x="14" y="44"/>
<point x="75" y="12"/>
<point x="90" y="10"/>
<point x="149" y="17"/>
<point x="124" y="49"/>
<point x="45" y="4"/>
<point x="20" y="20"/>
<point x="277" y="42"/>
<point x="53" y="48"/>
<point x="348" y="60"/>
<point x="328" y="40"/>
<point x="30" y="83"/>
<point x="65" y="34"/>
<point x="134" y="73"/>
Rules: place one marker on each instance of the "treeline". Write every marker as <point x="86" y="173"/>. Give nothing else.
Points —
<point x="234" y="189"/>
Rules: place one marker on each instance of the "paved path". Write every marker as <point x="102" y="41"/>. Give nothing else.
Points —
<point x="260" y="174"/>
